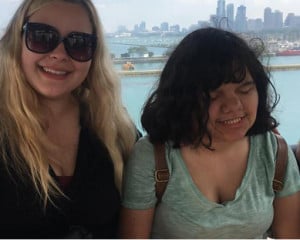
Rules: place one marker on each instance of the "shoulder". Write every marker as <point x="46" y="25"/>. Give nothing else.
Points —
<point x="264" y="144"/>
<point x="139" y="181"/>
<point x="266" y="147"/>
<point x="143" y="153"/>
<point x="144" y="143"/>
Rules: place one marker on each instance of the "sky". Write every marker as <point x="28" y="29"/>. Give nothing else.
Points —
<point x="183" y="12"/>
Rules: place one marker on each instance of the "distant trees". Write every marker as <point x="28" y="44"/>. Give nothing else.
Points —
<point x="137" y="51"/>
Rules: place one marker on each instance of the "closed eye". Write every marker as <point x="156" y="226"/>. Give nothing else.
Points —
<point x="213" y="96"/>
<point x="246" y="87"/>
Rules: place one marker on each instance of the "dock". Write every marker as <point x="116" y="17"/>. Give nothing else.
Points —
<point x="290" y="67"/>
<point x="140" y="73"/>
<point x="140" y="60"/>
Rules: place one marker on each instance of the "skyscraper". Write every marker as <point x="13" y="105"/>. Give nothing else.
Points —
<point x="230" y="16"/>
<point x="241" y="19"/>
<point x="268" y="18"/>
<point x="221" y="9"/>
<point x="221" y="14"/>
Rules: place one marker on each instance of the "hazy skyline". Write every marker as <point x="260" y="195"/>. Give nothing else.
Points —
<point x="183" y="12"/>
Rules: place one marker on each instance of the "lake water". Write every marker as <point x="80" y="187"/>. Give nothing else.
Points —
<point x="135" y="90"/>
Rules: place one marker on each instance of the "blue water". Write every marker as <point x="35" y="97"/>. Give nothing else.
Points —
<point x="135" y="89"/>
<point x="287" y="84"/>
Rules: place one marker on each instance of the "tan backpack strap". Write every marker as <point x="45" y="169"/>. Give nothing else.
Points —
<point x="161" y="170"/>
<point x="281" y="162"/>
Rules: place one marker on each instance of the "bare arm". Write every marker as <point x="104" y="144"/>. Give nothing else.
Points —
<point x="286" y="222"/>
<point x="136" y="223"/>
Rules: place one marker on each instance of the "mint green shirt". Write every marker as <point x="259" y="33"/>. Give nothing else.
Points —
<point x="186" y="213"/>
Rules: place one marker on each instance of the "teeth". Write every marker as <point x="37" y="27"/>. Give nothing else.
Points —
<point x="233" y="121"/>
<point x="54" y="71"/>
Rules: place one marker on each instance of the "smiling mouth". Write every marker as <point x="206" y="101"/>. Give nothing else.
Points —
<point x="55" y="72"/>
<point x="232" y="121"/>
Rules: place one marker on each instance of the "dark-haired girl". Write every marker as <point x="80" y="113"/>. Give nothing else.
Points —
<point x="212" y="108"/>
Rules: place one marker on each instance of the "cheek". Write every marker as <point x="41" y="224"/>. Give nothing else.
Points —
<point x="27" y="62"/>
<point x="212" y="110"/>
<point x="83" y="69"/>
<point x="253" y="102"/>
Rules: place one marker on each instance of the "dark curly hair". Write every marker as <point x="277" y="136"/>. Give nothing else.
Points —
<point x="203" y="61"/>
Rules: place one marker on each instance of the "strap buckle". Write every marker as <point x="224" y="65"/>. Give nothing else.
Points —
<point x="277" y="185"/>
<point x="162" y="175"/>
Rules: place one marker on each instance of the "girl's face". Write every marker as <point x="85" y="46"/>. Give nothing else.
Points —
<point x="232" y="111"/>
<point x="54" y="75"/>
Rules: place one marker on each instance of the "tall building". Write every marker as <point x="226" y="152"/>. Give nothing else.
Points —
<point x="142" y="26"/>
<point x="278" y="19"/>
<point x="272" y="20"/>
<point x="289" y="19"/>
<point x="164" y="26"/>
<point x="241" y="19"/>
<point x="292" y="21"/>
<point x="268" y="18"/>
<point x="221" y="14"/>
<point x="230" y="16"/>
<point x="221" y="9"/>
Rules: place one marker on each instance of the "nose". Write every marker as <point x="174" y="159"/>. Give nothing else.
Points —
<point x="231" y="103"/>
<point x="59" y="52"/>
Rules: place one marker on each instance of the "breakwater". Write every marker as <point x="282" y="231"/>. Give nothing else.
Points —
<point x="290" y="67"/>
<point x="140" y="60"/>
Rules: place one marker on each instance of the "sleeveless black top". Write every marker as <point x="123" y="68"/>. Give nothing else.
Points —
<point x="90" y="210"/>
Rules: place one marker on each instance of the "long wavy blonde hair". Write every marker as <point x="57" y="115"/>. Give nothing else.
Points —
<point x="23" y="141"/>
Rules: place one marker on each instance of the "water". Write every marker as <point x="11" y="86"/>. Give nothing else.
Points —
<point x="135" y="90"/>
<point x="287" y="84"/>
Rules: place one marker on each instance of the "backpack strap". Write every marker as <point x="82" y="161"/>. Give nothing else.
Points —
<point x="161" y="170"/>
<point x="281" y="162"/>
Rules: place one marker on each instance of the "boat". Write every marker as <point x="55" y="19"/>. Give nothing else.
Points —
<point x="290" y="52"/>
<point x="128" y="66"/>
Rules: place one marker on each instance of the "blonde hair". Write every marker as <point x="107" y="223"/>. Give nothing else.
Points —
<point x="23" y="141"/>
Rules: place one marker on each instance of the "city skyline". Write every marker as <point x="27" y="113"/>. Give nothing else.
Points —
<point x="114" y="13"/>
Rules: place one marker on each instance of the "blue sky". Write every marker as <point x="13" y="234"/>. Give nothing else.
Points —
<point x="183" y="12"/>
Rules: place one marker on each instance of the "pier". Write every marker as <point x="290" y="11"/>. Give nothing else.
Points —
<point x="140" y="60"/>
<point x="140" y="73"/>
<point x="290" y="67"/>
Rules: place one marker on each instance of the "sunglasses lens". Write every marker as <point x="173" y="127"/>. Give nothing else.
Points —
<point x="41" y="38"/>
<point x="80" y="46"/>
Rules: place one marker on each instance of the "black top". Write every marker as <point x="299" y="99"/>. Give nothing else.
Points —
<point x="91" y="209"/>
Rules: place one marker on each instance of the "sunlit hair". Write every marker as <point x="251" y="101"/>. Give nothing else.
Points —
<point x="177" y="109"/>
<point x="23" y="141"/>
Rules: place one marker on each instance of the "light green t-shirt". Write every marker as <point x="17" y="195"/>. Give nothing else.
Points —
<point x="186" y="213"/>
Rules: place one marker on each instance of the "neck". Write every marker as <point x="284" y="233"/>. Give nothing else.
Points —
<point x="230" y="146"/>
<point x="55" y="109"/>
<point x="61" y="113"/>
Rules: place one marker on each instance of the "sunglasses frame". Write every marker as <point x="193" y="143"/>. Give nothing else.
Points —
<point x="34" y="26"/>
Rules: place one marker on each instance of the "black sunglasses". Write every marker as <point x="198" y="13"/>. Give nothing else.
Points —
<point x="43" y="38"/>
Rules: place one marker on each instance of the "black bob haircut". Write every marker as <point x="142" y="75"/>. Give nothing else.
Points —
<point x="203" y="61"/>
